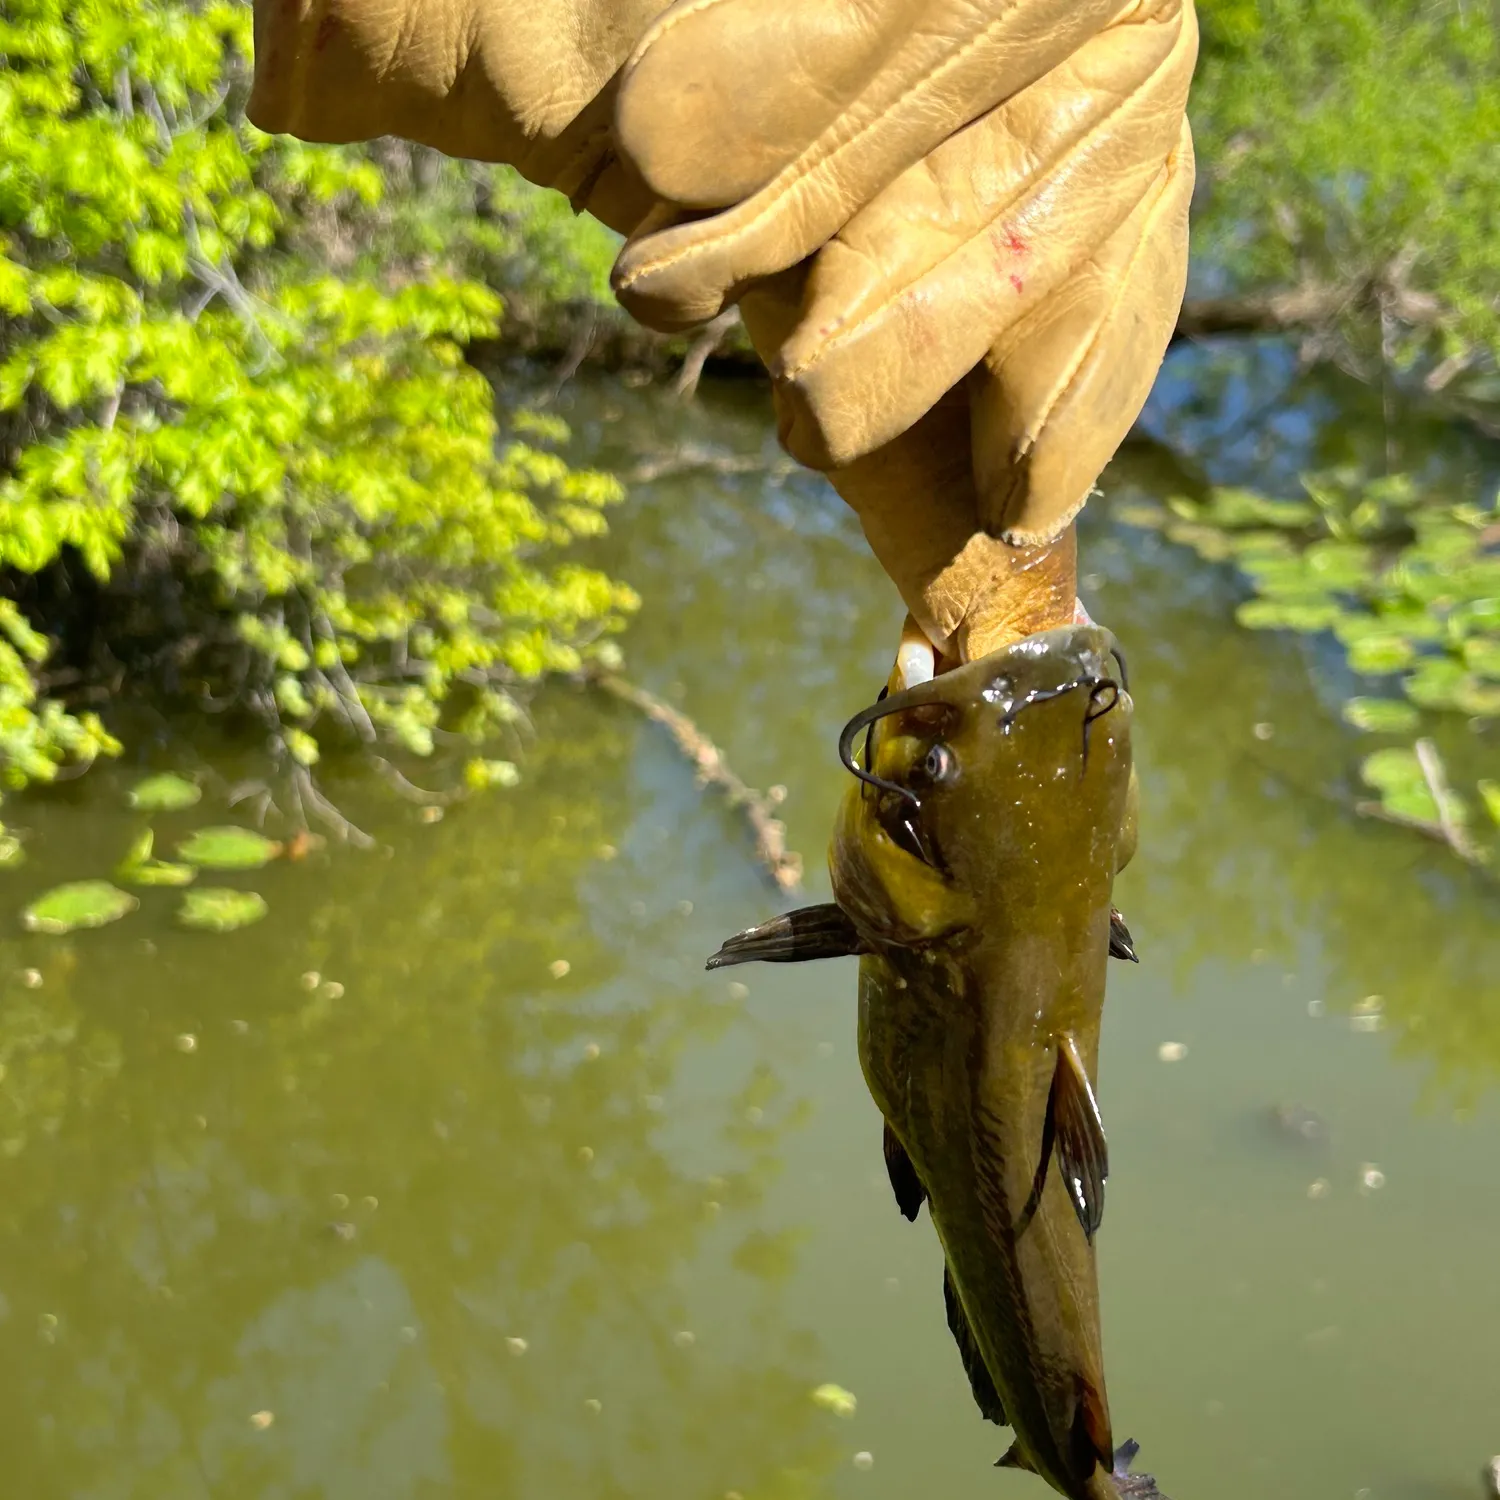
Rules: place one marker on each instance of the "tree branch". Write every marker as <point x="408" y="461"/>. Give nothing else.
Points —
<point x="780" y="863"/>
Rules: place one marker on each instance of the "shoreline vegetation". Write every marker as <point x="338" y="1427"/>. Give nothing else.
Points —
<point x="251" y="461"/>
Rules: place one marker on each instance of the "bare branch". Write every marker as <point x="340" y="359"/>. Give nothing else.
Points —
<point x="782" y="864"/>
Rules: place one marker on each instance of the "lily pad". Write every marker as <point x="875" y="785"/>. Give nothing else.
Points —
<point x="1277" y="614"/>
<point x="215" y="909"/>
<point x="1381" y="715"/>
<point x="1483" y="656"/>
<point x="165" y="793"/>
<point x="83" y="903"/>
<point x="138" y="868"/>
<point x="228" y="848"/>
<point x="1375" y="655"/>
<point x="1393" y="770"/>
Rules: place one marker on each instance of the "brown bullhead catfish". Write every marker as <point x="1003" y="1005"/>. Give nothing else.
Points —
<point x="972" y="867"/>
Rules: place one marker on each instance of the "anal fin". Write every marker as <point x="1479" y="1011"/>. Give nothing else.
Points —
<point x="986" y="1397"/>
<point x="1013" y="1458"/>
<point x="1081" y="1148"/>
<point x="907" y="1186"/>
<point x="794" y="938"/>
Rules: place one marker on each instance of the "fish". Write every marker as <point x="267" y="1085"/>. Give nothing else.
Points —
<point x="972" y="865"/>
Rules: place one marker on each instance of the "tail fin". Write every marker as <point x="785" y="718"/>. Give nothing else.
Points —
<point x="1133" y="1486"/>
<point x="812" y="932"/>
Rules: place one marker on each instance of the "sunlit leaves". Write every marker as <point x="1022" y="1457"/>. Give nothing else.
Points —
<point x="191" y="386"/>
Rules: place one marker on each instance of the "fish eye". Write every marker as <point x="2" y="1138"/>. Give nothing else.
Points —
<point x="940" y="763"/>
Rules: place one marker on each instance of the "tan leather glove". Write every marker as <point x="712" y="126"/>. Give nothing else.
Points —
<point x="997" y="188"/>
<point x="961" y="225"/>
<point x="527" y="82"/>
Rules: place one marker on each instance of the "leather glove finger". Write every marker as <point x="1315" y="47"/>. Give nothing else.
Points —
<point x="527" y="82"/>
<point x="979" y="238"/>
<point x="1060" y="390"/>
<point x="918" y="506"/>
<point x="791" y="115"/>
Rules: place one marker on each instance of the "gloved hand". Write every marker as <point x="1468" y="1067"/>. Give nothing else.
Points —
<point x="957" y="230"/>
<point x="1031" y="258"/>
<point x="527" y="82"/>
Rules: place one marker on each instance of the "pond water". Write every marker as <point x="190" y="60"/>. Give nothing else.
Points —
<point x="458" y="1176"/>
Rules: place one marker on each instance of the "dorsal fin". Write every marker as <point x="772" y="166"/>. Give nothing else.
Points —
<point x="986" y="1397"/>
<point x="907" y="1186"/>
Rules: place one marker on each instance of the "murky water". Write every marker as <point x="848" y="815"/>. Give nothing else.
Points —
<point x="459" y="1177"/>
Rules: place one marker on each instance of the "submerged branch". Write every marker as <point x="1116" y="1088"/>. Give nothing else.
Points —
<point x="782" y="864"/>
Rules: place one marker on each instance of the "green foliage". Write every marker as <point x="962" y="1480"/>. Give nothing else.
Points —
<point x="81" y="903"/>
<point x="1352" y="143"/>
<point x="1407" y="581"/>
<point x="216" y="909"/>
<point x="259" y="450"/>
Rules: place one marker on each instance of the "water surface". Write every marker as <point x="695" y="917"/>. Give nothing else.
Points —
<point x="458" y="1176"/>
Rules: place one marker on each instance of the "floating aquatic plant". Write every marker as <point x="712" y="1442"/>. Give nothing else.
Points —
<point x="138" y="867"/>
<point x="1408" y="583"/>
<point x="215" y="909"/>
<point x="82" y="903"/>
<point x="164" y="793"/>
<point x="228" y="848"/>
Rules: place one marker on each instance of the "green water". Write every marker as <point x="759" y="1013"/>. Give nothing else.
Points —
<point x="364" y="1202"/>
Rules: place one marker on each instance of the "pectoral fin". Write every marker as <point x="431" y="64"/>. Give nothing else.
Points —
<point x="1121" y="944"/>
<point x="1081" y="1147"/>
<point x="812" y="932"/>
<point x="980" y="1381"/>
<point x="907" y="1186"/>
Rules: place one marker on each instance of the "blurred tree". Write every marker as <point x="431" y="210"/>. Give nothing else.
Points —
<point x="1349" y="182"/>
<point x="241" y="455"/>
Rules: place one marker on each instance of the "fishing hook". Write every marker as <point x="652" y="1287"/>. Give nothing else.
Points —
<point x="865" y="719"/>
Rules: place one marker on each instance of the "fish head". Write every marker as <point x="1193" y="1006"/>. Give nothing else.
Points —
<point x="1009" y="774"/>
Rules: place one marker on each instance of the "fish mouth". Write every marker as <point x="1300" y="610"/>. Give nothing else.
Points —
<point x="1033" y="670"/>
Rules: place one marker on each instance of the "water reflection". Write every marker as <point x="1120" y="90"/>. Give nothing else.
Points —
<point x="367" y="1202"/>
<point x="266" y="1239"/>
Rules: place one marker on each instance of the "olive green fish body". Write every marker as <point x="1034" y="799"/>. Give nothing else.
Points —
<point x="988" y="930"/>
<point x="972" y="869"/>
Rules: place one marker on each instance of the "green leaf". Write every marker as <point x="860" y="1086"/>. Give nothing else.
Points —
<point x="1382" y="715"/>
<point x="138" y="868"/>
<point x="164" y="793"/>
<point x="12" y="853"/>
<point x="1277" y="614"/>
<point x="83" y="903"/>
<point x="1377" y="655"/>
<point x="228" y="848"/>
<point x="217" y="909"/>
<point x="1393" y="770"/>
<point x="836" y="1399"/>
<point x="1489" y="794"/>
